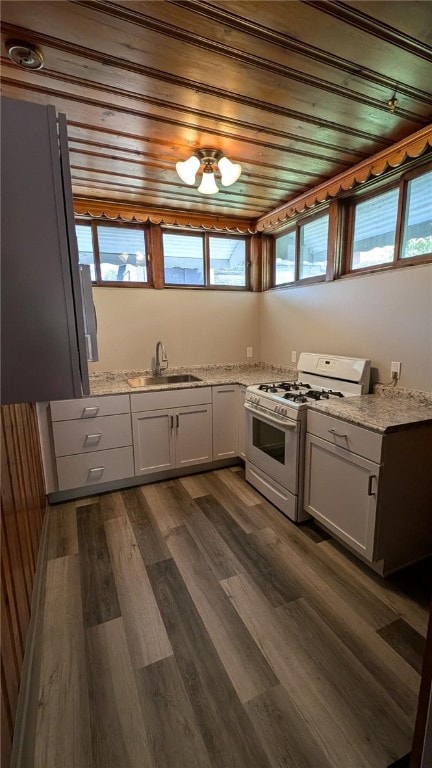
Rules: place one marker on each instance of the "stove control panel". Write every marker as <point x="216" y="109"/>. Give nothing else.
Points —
<point x="254" y="399"/>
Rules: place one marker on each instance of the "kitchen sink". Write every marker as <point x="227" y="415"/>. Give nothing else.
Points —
<point x="151" y="381"/>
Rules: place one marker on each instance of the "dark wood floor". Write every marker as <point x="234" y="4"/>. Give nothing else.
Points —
<point x="188" y="624"/>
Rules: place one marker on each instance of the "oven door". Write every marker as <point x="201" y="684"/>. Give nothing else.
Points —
<point x="273" y="447"/>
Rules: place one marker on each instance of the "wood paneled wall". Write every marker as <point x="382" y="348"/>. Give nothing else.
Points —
<point x="23" y="506"/>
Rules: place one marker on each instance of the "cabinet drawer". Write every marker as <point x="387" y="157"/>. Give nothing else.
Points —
<point x="97" y="467"/>
<point x="345" y="435"/>
<point x="89" y="407"/>
<point x="174" y="398"/>
<point x="83" y="436"/>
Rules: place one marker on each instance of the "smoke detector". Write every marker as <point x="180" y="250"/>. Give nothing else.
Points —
<point x="25" y="55"/>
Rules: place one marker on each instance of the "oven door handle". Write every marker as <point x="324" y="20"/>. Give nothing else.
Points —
<point x="280" y="423"/>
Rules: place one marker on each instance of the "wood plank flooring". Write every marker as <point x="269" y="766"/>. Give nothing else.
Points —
<point x="189" y="624"/>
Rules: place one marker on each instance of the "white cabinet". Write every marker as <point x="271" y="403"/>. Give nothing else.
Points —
<point x="225" y="421"/>
<point x="371" y="490"/>
<point x="168" y="438"/>
<point x="92" y="441"/>
<point x="242" y="423"/>
<point x="341" y="479"/>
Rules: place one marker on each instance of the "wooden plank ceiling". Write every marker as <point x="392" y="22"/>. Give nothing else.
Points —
<point x="296" y="91"/>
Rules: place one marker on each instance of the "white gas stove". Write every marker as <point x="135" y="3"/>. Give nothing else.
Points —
<point x="276" y="423"/>
<point x="320" y="377"/>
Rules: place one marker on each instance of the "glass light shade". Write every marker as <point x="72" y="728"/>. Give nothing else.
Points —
<point x="229" y="171"/>
<point x="187" y="169"/>
<point x="208" y="184"/>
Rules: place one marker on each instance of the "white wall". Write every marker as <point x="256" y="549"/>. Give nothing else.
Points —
<point x="196" y="327"/>
<point x="386" y="316"/>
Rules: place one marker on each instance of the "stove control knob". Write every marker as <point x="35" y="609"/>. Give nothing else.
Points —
<point x="283" y="411"/>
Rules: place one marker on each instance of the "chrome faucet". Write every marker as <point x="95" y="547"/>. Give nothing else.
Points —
<point x="160" y="358"/>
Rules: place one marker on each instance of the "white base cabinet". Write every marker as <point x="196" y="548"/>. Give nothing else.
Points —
<point x="172" y="438"/>
<point x="341" y="490"/>
<point x="99" y="440"/>
<point x="225" y="421"/>
<point x="92" y="440"/>
<point x="372" y="491"/>
<point x="171" y="429"/>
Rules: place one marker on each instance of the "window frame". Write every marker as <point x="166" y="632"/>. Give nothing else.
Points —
<point x="94" y="223"/>
<point x="296" y="227"/>
<point x="398" y="261"/>
<point x="205" y="237"/>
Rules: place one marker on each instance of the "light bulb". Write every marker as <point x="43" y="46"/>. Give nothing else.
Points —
<point x="208" y="184"/>
<point x="229" y="171"/>
<point x="187" y="169"/>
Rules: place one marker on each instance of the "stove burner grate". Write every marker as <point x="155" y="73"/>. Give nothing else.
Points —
<point x="295" y="397"/>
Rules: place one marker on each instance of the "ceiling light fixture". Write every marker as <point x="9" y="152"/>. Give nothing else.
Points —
<point x="24" y="54"/>
<point x="210" y="158"/>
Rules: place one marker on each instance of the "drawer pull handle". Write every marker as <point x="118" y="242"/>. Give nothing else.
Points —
<point x="95" y="470"/>
<point x="338" y="434"/>
<point x="171" y="422"/>
<point x="370" y="482"/>
<point x="177" y="421"/>
<point x="90" y="410"/>
<point x="95" y="438"/>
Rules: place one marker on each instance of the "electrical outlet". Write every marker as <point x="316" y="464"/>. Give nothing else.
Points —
<point x="248" y="351"/>
<point x="293" y="357"/>
<point x="395" y="370"/>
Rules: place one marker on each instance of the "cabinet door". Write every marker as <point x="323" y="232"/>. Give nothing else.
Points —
<point x="153" y="441"/>
<point x="193" y="431"/>
<point x="341" y="491"/>
<point x="225" y="421"/>
<point x="242" y="423"/>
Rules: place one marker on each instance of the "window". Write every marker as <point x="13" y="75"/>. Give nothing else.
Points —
<point x="394" y="225"/>
<point x="285" y="257"/>
<point x="375" y="230"/>
<point x="116" y="253"/>
<point x="201" y="259"/>
<point x="183" y="259"/>
<point x="227" y="261"/>
<point x="313" y="248"/>
<point x="302" y="252"/>
<point x="417" y="226"/>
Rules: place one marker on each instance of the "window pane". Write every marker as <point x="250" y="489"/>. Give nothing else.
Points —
<point x="285" y="252"/>
<point x="122" y="254"/>
<point x="85" y="247"/>
<point x="313" y="247"/>
<point x="417" y="231"/>
<point x="375" y="230"/>
<point x="183" y="259"/>
<point x="227" y="261"/>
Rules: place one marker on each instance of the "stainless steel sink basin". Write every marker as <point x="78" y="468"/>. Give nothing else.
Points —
<point x="151" y="381"/>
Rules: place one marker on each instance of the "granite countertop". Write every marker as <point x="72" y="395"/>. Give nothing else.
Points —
<point x="115" y="382"/>
<point x="389" y="409"/>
